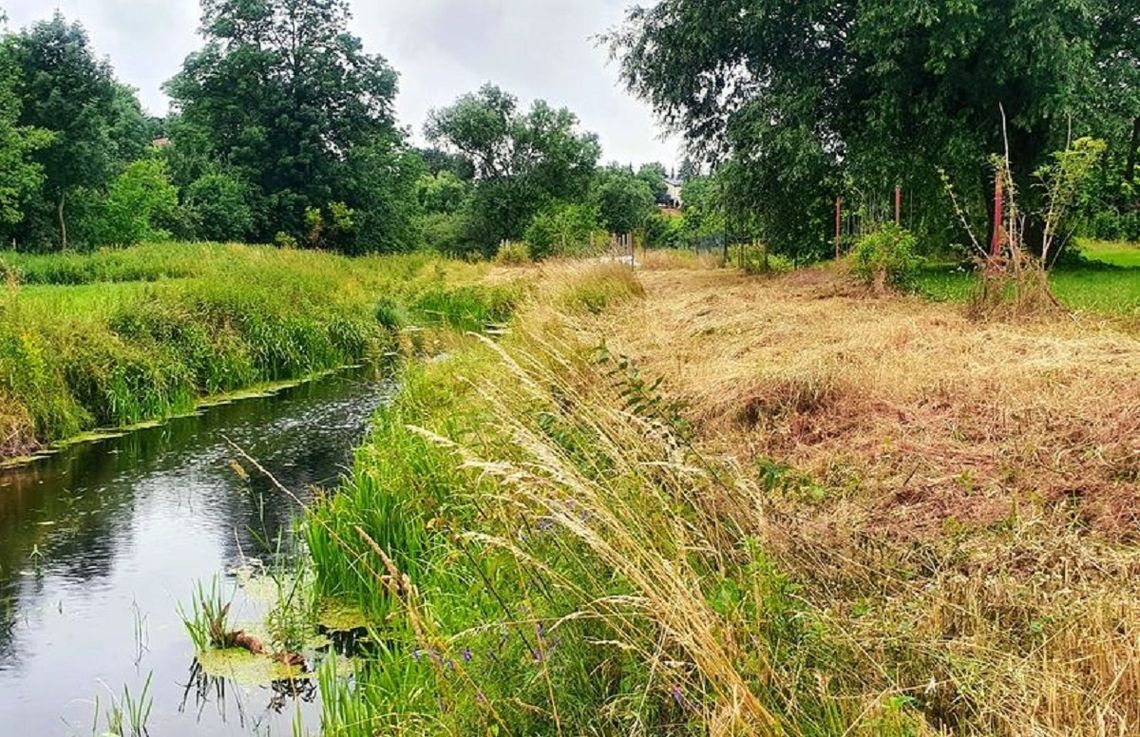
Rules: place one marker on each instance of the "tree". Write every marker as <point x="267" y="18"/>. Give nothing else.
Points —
<point x="137" y="201"/>
<point x="218" y="205"/>
<point x="521" y="161"/>
<point x="624" y="200"/>
<point x="284" y="96"/>
<point x="21" y="176"/>
<point x="66" y="90"/>
<point x="654" y="176"/>
<point x="811" y="95"/>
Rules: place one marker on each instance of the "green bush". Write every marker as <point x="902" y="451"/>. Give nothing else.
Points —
<point x="138" y="200"/>
<point x="887" y="259"/>
<point x="561" y="230"/>
<point x="219" y="207"/>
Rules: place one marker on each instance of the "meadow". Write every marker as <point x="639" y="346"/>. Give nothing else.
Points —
<point x="118" y="337"/>
<point x="1107" y="280"/>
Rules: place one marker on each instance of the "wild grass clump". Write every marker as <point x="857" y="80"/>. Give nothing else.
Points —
<point x="594" y="289"/>
<point x="207" y="621"/>
<point x="513" y="253"/>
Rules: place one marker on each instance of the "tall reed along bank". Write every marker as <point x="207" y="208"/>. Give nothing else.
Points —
<point x="118" y="337"/>
<point x="561" y="530"/>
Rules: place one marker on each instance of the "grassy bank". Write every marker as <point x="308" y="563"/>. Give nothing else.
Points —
<point x="547" y="541"/>
<point x="1108" y="282"/>
<point x="118" y="337"/>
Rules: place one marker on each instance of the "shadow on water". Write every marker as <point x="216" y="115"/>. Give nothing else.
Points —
<point x="100" y="543"/>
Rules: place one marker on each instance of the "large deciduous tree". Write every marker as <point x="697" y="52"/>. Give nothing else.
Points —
<point x="65" y="89"/>
<point x="283" y="95"/>
<point x="811" y="95"/>
<point x="21" y="176"/>
<point x="522" y="162"/>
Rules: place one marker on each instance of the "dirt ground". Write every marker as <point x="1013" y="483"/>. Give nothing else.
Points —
<point x="928" y="421"/>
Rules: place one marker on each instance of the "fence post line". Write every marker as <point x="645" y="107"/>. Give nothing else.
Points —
<point x="898" y="205"/>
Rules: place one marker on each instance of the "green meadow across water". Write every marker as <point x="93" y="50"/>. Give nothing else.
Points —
<point x="117" y="337"/>
<point x="1108" y="281"/>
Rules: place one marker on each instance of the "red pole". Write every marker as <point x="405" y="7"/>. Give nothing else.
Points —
<point x="838" y="227"/>
<point x="898" y="205"/>
<point x="999" y="217"/>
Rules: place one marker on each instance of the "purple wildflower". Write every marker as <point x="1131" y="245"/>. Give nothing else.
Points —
<point x="467" y="655"/>
<point x="678" y="696"/>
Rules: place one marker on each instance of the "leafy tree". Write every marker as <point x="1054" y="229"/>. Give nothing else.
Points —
<point x="654" y="176"/>
<point x="442" y="192"/>
<point x="139" y="198"/>
<point x="521" y="161"/>
<point x="283" y="95"/>
<point x="812" y="95"/>
<point x="65" y="89"/>
<point x="624" y="200"/>
<point x="218" y="204"/>
<point x="21" y="176"/>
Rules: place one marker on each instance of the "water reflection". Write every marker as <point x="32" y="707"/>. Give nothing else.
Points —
<point x="104" y="536"/>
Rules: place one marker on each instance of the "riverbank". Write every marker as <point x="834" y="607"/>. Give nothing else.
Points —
<point x="829" y="515"/>
<point x="115" y="338"/>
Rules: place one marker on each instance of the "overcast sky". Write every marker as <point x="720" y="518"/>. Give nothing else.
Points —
<point x="442" y="48"/>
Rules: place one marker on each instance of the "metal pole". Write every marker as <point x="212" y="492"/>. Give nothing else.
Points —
<point x="838" y="228"/>
<point x="999" y="216"/>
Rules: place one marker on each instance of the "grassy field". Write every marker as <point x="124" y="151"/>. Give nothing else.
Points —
<point x="1110" y="283"/>
<point x="118" y="337"/>
<point x="830" y="516"/>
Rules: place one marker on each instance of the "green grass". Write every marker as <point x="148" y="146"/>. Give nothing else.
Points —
<point x="1109" y="283"/>
<point x="114" y="338"/>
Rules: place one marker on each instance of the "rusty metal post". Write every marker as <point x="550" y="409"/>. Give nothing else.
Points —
<point x="898" y="205"/>
<point x="999" y="217"/>
<point x="838" y="228"/>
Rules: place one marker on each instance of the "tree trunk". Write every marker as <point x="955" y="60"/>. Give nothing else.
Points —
<point x="62" y="223"/>
<point x="1134" y="144"/>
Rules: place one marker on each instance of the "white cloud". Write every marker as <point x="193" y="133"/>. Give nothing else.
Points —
<point x="442" y="48"/>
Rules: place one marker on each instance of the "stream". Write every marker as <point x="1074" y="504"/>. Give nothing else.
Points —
<point x="102" y="542"/>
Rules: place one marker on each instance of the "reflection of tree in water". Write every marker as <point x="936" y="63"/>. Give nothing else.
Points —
<point x="67" y="515"/>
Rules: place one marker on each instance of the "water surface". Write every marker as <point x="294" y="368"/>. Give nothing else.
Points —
<point x="101" y="543"/>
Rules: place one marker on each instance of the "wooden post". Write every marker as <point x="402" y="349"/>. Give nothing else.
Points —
<point x="898" y="205"/>
<point x="999" y="217"/>
<point x="838" y="228"/>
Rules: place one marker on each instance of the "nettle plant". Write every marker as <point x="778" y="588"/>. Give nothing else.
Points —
<point x="1028" y="243"/>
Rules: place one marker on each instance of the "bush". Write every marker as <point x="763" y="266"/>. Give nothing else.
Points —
<point x="284" y="240"/>
<point x="662" y="231"/>
<point x="219" y="206"/>
<point x="513" y="253"/>
<point x="887" y="259"/>
<point x="561" y="230"/>
<point x="445" y="233"/>
<point x="140" y="197"/>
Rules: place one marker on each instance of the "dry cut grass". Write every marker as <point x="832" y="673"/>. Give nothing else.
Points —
<point x="959" y="501"/>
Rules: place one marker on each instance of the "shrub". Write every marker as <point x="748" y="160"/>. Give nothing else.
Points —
<point x="886" y="259"/>
<point x="561" y="230"/>
<point x="139" y="198"/>
<point x="513" y="253"/>
<point x="284" y="240"/>
<point x="219" y="207"/>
